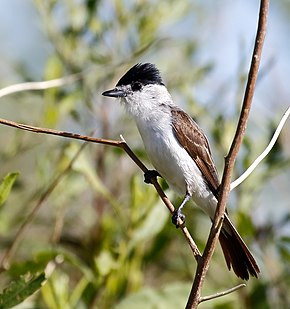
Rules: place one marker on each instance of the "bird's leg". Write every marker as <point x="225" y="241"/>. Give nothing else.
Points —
<point x="148" y="175"/>
<point x="177" y="213"/>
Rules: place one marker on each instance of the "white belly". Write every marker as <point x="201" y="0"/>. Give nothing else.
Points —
<point x="175" y="165"/>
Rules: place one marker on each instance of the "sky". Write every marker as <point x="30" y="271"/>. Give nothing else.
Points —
<point x="22" y="37"/>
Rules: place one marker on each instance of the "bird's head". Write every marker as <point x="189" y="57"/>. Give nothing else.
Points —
<point x="140" y="88"/>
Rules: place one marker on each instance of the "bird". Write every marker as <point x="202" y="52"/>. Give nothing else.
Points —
<point x="180" y="153"/>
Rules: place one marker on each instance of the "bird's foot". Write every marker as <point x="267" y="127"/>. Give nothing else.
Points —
<point x="148" y="175"/>
<point x="178" y="215"/>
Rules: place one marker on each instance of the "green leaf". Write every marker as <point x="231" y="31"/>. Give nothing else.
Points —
<point x="54" y="68"/>
<point x="105" y="263"/>
<point x="6" y="185"/>
<point x="19" y="290"/>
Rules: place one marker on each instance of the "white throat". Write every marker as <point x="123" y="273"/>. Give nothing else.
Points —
<point x="148" y="102"/>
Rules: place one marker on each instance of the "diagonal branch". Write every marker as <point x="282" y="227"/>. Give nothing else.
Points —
<point x="202" y="267"/>
<point x="120" y="144"/>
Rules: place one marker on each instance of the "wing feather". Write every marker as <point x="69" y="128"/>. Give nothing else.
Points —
<point x="194" y="141"/>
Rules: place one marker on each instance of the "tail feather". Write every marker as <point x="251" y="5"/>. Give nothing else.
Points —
<point x="236" y="252"/>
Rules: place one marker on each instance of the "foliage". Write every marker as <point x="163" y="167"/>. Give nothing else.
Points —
<point x="102" y="237"/>
<point x="19" y="290"/>
<point x="6" y="186"/>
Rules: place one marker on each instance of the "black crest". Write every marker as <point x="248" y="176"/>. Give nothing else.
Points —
<point x="144" y="73"/>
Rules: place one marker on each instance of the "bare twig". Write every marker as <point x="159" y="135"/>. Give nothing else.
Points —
<point x="263" y="155"/>
<point x="40" y="85"/>
<point x="121" y="144"/>
<point x="223" y="293"/>
<point x="202" y="267"/>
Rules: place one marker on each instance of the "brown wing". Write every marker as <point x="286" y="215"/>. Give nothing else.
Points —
<point x="193" y="140"/>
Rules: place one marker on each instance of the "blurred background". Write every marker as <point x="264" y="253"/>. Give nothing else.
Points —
<point x="102" y="236"/>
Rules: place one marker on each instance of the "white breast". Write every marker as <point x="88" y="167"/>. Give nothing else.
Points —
<point x="174" y="163"/>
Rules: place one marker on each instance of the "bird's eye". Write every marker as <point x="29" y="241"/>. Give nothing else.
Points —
<point x="136" y="86"/>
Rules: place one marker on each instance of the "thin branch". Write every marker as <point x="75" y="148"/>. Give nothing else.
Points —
<point x="263" y="155"/>
<point x="202" y="267"/>
<point x="220" y="294"/>
<point x="121" y="144"/>
<point x="61" y="133"/>
<point x="40" y="85"/>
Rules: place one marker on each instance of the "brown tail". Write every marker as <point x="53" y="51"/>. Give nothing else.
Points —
<point x="236" y="252"/>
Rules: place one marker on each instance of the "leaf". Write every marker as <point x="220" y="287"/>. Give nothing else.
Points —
<point x="6" y="185"/>
<point x="19" y="290"/>
<point x="54" y="68"/>
<point x="105" y="263"/>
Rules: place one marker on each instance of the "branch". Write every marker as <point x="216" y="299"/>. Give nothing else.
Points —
<point x="262" y="156"/>
<point x="202" y="267"/>
<point x="220" y="294"/>
<point x="120" y="144"/>
<point x="40" y="85"/>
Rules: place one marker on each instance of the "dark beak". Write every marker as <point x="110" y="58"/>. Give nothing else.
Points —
<point x="115" y="93"/>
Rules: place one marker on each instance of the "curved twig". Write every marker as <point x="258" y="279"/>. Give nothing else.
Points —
<point x="263" y="155"/>
<point x="223" y="293"/>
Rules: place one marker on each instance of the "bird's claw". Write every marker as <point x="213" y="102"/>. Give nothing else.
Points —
<point x="176" y="216"/>
<point x="148" y="175"/>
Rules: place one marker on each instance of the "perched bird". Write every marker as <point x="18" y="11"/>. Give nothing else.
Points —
<point x="180" y="153"/>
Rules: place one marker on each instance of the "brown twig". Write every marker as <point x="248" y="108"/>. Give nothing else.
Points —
<point x="121" y="144"/>
<point x="223" y="293"/>
<point x="202" y="267"/>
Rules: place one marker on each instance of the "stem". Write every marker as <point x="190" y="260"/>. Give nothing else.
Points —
<point x="121" y="144"/>
<point x="202" y="267"/>
<point x="223" y="293"/>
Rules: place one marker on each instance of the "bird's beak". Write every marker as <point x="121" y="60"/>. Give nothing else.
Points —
<point x="115" y="93"/>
